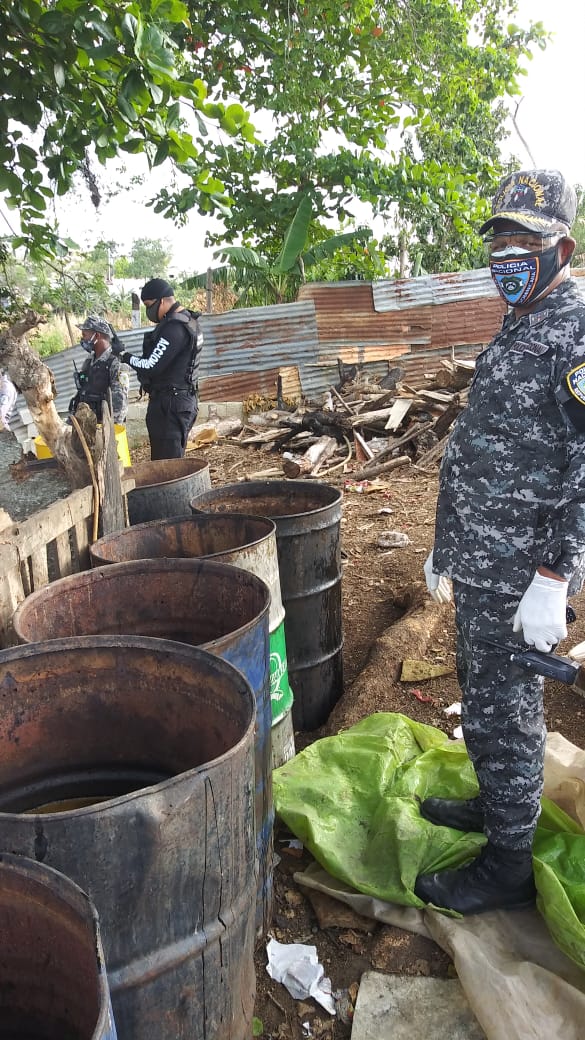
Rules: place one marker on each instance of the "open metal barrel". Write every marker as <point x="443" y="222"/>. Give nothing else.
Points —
<point x="165" y="487"/>
<point x="248" y="542"/>
<point x="53" y="983"/>
<point x="307" y="517"/>
<point x="128" y="765"/>
<point x="219" y="607"/>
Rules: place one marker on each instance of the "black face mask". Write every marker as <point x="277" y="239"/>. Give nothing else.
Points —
<point x="152" y="311"/>
<point x="523" y="279"/>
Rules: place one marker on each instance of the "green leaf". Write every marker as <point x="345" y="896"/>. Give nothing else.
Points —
<point x="296" y="236"/>
<point x="52" y="22"/>
<point x="257" y="1027"/>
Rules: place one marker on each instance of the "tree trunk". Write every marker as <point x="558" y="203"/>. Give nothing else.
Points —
<point x="35" y="381"/>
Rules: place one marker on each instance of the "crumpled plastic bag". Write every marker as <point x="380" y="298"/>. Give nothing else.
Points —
<point x="353" y="800"/>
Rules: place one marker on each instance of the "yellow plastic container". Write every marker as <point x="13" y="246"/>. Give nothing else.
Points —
<point x="43" y="452"/>
<point x="41" y="449"/>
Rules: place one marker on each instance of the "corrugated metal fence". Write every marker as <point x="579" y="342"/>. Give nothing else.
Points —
<point x="415" y="320"/>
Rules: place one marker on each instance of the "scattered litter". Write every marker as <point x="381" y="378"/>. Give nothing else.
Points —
<point x="297" y="967"/>
<point x="385" y="511"/>
<point x="458" y="733"/>
<point x="203" y="435"/>
<point x="393" y="540"/>
<point x="418" y="671"/>
<point x="424" y="698"/>
<point x="366" y="487"/>
<point x="453" y="709"/>
<point x="293" y="848"/>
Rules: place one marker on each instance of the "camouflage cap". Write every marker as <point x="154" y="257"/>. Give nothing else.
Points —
<point x="94" y="324"/>
<point x="540" y="200"/>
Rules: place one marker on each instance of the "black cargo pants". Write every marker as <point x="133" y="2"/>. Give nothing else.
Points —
<point x="169" y="417"/>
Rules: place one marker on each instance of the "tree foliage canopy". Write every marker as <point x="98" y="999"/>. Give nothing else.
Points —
<point x="382" y="101"/>
<point x="395" y="103"/>
<point x="88" y="75"/>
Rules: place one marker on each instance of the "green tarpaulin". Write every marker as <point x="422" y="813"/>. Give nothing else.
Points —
<point x="352" y="800"/>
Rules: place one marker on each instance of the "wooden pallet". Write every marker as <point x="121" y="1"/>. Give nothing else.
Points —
<point x="55" y="541"/>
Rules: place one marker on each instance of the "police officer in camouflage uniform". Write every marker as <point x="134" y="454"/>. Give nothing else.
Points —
<point x="167" y="370"/>
<point x="510" y="534"/>
<point x="101" y="372"/>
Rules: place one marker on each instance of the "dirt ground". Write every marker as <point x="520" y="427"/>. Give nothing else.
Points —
<point x="374" y="580"/>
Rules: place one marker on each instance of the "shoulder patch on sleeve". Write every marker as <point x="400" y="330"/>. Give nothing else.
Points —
<point x="576" y="382"/>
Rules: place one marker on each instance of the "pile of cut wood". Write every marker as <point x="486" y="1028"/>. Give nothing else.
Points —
<point x="363" y="426"/>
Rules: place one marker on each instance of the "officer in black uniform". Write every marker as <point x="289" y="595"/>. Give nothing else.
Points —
<point x="101" y="372"/>
<point x="167" y="370"/>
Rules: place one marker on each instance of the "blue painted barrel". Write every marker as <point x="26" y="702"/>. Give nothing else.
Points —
<point x="53" y="982"/>
<point x="216" y="606"/>
<point x="128" y="765"/>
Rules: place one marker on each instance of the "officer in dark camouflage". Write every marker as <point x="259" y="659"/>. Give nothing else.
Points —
<point x="510" y="534"/>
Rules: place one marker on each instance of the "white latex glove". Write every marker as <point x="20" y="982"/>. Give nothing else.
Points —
<point x="542" y="613"/>
<point x="439" y="585"/>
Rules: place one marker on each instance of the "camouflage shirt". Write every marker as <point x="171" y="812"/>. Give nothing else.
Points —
<point x="512" y="482"/>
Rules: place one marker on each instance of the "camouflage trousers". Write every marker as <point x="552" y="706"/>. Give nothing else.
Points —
<point x="502" y="716"/>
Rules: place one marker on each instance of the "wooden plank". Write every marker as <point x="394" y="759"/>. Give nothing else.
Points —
<point x="11" y="592"/>
<point x="368" y="417"/>
<point x="109" y="480"/>
<point x="63" y="550"/>
<point x="47" y="524"/>
<point x="435" y="395"/>
<point x="39" y="568"/>
<point x="400" y="410"/>
<point x="81" y="542"/>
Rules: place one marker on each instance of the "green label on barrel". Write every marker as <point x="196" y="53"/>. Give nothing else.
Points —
<point x="281" y="697"/>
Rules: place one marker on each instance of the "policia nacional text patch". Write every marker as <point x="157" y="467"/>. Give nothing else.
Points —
<point x="575" y="405"/>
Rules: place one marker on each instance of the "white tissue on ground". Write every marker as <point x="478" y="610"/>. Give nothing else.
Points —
<point x="297" y="967"/>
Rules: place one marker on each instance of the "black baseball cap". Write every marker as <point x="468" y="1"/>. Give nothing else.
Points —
<point x="156" y="289"/>
<point x="539" y="200"/>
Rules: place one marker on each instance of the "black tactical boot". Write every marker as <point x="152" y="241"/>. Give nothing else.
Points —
<point x="499" y="879"/>
<point x="448" y="812"/>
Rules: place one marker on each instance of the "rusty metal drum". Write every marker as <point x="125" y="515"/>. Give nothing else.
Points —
<point x="128" y="765"/>
<point x="53" y="981"/>
<point x="307" y="515"/>
<point x="248" y="542"/>
<point x="165" y="487"/>
<point x="221" y="607"/>
<point x="200" y="602"/>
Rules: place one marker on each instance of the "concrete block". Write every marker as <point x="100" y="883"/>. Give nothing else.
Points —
<point x="397" y="1007"/>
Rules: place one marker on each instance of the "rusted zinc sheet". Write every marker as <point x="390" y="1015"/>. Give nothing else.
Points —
<point x="399" y="294"/>
<point x="466" y="323"/>
<point x="349" y="328"/>
<point x="418" y="367"/>
<point x="244" y="349"/>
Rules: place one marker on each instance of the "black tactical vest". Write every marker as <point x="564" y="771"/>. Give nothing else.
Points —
<point x="182" y="374"/>
<point x="96" y="383"/>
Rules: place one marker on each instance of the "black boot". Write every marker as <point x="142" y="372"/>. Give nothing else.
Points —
<point x="447" y="812"/>
<point x="499" y="879"/>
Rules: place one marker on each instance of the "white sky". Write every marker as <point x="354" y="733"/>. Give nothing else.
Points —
<point x="550" y="119"/>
